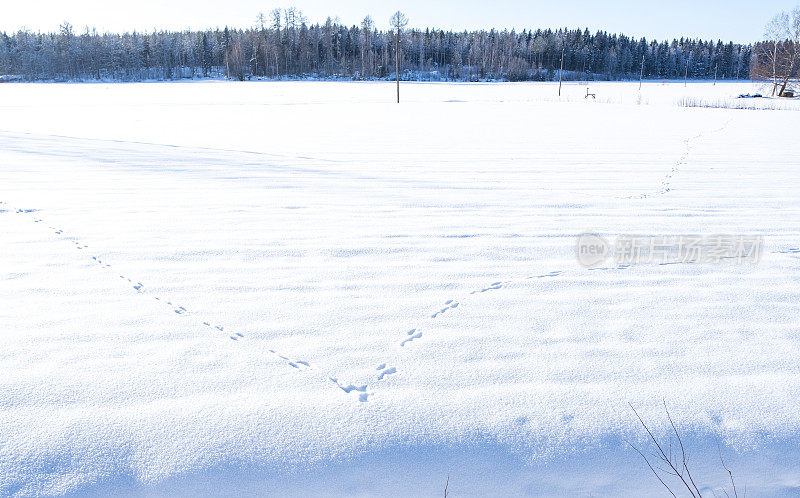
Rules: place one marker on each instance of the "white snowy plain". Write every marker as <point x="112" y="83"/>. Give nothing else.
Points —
<point x="304" y="289"/>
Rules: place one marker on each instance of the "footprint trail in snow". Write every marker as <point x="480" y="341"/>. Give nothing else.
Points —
<point x="140" y="288"/>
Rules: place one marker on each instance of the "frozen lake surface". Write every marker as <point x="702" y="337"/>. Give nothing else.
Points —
<point x="305" y="289"/>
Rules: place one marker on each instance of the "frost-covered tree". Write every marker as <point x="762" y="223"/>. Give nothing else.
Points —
<point x="283" y="44"/>
<point x="367" y="59"/>
<point x="778" y="56"/>
<point x="399" y="22"/>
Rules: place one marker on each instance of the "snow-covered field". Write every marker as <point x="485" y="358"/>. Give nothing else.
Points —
<point x="304" y="289"/>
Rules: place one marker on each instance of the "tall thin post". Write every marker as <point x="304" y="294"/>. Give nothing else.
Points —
<point x="561" y="71"/>
<point x="641" y="75"/>
<point x="716" y="68"/>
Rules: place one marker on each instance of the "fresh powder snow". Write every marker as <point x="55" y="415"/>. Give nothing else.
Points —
<point x="302" y="288"/>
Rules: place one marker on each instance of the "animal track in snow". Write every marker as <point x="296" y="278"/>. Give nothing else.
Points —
<point x="363" y="389"/>
<point x="449" y="305"/>
<point x="552" y="274"/>
<point x="611" y="268"/>
<point x="177" y="309"/>
<point x="363" y="395"/>
<point x="385" y="371"/>
<point x="666" y="183"/>
<point x="298" y="364"/>
<point x="494" y="286"/>
<point x="413" y="336"/>
<point x="295" y="364"/>
<point x="416" y="333"/>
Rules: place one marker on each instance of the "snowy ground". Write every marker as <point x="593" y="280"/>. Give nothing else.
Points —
<point x="304" y="289"/>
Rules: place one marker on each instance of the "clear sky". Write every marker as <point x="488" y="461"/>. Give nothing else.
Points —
<point x="737" y="20"/>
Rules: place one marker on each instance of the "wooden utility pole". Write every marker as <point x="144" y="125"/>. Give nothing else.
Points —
<point x="561" y="71"/>
<point x="397" y="63"/>
<point x="641" y="74"/>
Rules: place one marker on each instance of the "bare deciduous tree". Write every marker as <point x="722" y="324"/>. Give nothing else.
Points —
<point x="234" y="60"/>
<point x="367" y="28"/>
<point x="399" y="21"/>
<point x="778" y="56"/>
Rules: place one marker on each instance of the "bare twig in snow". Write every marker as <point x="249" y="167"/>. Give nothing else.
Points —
<point x="662" y="455"/>
<point x="683" y="451"/>
<point x="735" y="494"/>
<point x="651" y="468"/>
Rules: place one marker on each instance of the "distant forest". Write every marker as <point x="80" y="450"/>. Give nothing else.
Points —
<point x="284" y="45"/>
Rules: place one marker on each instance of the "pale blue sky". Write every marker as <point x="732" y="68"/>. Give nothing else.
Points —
<point x="738" y="20"/>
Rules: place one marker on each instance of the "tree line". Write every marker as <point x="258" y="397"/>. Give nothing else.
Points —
<point x="284" y="45"/>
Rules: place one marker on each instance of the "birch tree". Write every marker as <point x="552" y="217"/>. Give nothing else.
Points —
<point x="399" y="21"/>
<point x="367" y="27"/>
<point x="778" y="56"/>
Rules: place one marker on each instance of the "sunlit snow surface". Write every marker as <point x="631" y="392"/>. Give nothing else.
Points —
<point x="305" y="289"/>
